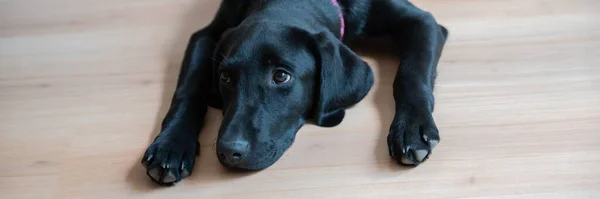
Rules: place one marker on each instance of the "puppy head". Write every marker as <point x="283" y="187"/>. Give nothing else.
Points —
<point x="273" y="79"/>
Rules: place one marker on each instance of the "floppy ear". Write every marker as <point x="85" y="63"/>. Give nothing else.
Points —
<point x="343" y="79"/>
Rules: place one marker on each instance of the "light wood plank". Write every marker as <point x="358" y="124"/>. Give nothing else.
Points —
<point x="84" y="85"/>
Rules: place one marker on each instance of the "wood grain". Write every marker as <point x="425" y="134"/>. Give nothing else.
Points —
<point x="85" y="83"/>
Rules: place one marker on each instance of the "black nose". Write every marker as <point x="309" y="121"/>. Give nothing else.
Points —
<point x="233" y="153"/>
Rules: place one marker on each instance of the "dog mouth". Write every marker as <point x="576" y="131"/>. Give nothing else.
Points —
<point x="257" y="159"/>
<point x="253" y="164"/>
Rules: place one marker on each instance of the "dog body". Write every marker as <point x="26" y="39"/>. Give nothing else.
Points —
<point x="273" y="65"/>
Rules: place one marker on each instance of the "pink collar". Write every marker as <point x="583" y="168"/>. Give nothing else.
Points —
<point x="342" y="25"/>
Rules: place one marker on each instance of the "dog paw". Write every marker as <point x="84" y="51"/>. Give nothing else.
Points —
<point x="167" y="161"/>
<point x="412" y="137"/>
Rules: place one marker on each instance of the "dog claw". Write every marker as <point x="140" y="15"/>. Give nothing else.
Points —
<point x="155" y="174"/>
<point x="185" y="173"/>
<point x="170" y="177"/>
<point x="147" y="160"/>
<point x="420" y="155"/>
<point x="433" y="143"/>
<point x="406" y="161"/>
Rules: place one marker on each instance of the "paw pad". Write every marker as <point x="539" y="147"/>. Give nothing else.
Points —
<point x="168" y="162"/>
<point x="411" y="140"/>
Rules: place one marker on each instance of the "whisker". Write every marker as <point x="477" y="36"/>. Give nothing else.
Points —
<point x="220" y="61"/>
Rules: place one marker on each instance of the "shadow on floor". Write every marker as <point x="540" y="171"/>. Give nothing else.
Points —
<point x="380" y="55"/>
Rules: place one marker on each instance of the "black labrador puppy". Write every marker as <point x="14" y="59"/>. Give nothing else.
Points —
<point x="272" y="65"/>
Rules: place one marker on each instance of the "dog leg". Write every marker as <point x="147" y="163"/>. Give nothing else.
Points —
<point x="413" y="133"/>
<point x="171" y="156"/>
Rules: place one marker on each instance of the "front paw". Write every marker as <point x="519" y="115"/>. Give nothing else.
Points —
<point x="167" y="161"/>
<point x="412" y="137"/>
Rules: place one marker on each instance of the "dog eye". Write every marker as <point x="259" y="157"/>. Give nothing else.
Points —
<point x="225" y="77"/>
<point x="281" y="77"/>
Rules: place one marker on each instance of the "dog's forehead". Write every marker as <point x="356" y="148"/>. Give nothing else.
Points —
<point x="268" y="48"/>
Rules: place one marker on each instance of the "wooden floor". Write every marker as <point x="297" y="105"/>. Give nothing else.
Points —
<point x="85" y="83"/>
